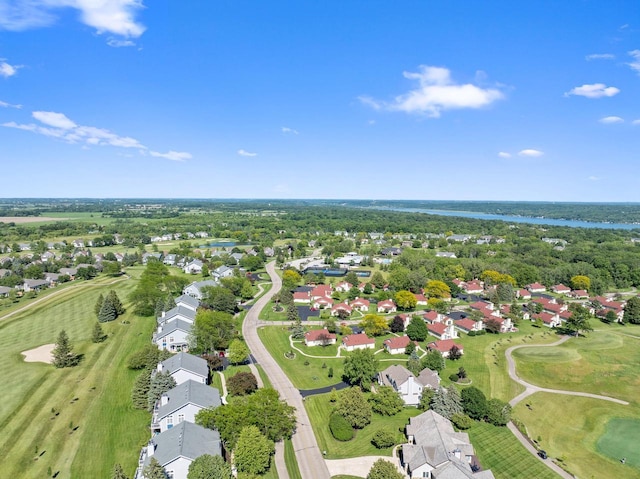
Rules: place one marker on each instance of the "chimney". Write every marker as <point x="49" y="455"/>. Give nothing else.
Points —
<point x="164" y="399"/>
<point x="151" y="448"/>
<point x="164" y="313"/>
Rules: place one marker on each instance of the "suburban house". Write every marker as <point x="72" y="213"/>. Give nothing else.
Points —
<point x="406" y="384"/>
<point x="195" y="288"/>
<point x="170" y="259"/>
<point x="5" y="290"/>
<point x="344" y="307"/>
<point x="321" y="303"/>
<point x="344" y="287"/>
<point x="579" y="294"/>
<point x="467" y="325"/>
<point x="536" y="288"/>
<point x="352" y="342"/>
<point x="446" y="254"/>
<point x="182" y="403"/>
<point x="180" y="312"/>
<point x="444" y="330"/>
<point x="34" y="285"/>
<point x="71" y="272"/>
<point x="188" y="302"/>
<point x="548" y="319"/>
<point x="319" y="337"/>
<point x="302" y="297"/>
<point x="421" y="300"/>
<point x="222" y="272"/>
<point x="173" y="335"/>
<point x="360" y="304"/>
<point x="396" y="345"/>
<point x="444" y="346"/>
<point x="387" y="306"/>
<point x="560" y="289"/>
<point x="523" y="294"/>
<point x="436" y="451"/>
<point x="193" y="267"/>
<point x="184" y="367"/>
<point x="176" y="448"/>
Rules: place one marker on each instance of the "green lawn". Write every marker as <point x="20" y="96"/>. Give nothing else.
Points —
<point x="498" y="450"/>
<point x="620" y="440"/>
<point x="79" y="420"/>
<point x="291" y="461"/>
<point x="319" y="409"/>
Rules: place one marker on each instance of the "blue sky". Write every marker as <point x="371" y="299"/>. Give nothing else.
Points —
<point x="497" y="100"/>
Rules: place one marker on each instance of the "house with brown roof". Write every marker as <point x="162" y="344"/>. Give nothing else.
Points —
<point x="536" y="288"/>
<point x="467" y="325"/>
<point x="351" y="342"/>
<point x="560" y="289"/>
<point x="444" y="346"/>
<point x="548" y="319"/>
<point x="387" y="306"/>
<point x="396" y="345"/>
<point x="360" y="304"/>
<point x="344" y="307"/>
<point x="319" y="337"/>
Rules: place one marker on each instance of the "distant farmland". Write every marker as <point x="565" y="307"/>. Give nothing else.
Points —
<point x="28" y="219"/>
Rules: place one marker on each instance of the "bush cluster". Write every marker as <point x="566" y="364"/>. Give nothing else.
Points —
<point x="341" y="430"/>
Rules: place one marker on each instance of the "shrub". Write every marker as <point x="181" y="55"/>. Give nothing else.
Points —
<point x="383" y="438"/>
<point x="242" y="383"/>
<point x="462" y="421"/>
<point x="453" y="378"/>
<point x="340" y="429"/>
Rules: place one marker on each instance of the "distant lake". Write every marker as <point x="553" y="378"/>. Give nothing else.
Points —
<point x="222" y="244"/>
<point x="516" y="219"/>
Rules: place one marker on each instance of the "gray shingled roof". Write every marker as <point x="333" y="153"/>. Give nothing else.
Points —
<point x="188" y="300"/>
<point x="429" y="378"/>
<point x="395" y="374"/>
<point x="458" y="469"/>
<point x="173" y="326"/>
<point x="189" y="392"/>
<point x="184" y="440"/>
<point x="186" y="361"/>
<point x="186" y="312"/>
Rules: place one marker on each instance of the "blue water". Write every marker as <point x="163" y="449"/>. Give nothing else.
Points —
<point x="517" y="219"/>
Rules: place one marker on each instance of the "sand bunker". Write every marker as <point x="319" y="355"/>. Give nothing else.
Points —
<point x="39" y="355"/>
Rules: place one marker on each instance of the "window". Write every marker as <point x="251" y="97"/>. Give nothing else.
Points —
<point x="170" y="339"/>
<point x="169" y="474"/>
<point x="170" y="421"/>
<point x="180" y="418"/>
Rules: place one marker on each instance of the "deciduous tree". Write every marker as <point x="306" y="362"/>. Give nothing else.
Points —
<point x="353" y="406"/>
<point x="386" y="401"/>
<point x="242" y="383"/>
<point x="382" y="469"/>
<point x="374" y="324"/>
<point x="580" y="282"/>
<point x="360" y="368"/>
<point x="433" y="360"/>
<point x="437" y="289"/>
<point x="209" y="467"/>
<point x="632" y="311"/>
<point x="253" y="451"/>
<point x="406" y="300"/>
<point x="417" y="329"/>
<point x="474" y="402"/>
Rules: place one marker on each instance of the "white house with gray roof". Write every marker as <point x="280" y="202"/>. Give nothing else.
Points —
<point x="195" y="288"/>
<point x="222" y="272"/>
<point x="181" y="312"/>
<point x="188" y="302"/>
<point x="173" y="335"/>
<point x="193" y="267"/>
<point x="185" y="366"/>
<point x="436" y="451"/>
<point x="406" y="384"/>
<point x="176" y="448"/>
<point x="182" y="403"/>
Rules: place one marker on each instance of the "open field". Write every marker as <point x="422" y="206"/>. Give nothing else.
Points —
<point x="28" y="219"/>
<point x="620" y="440"/>
<point x="499" y="451"/>
<point x="77" y="421"/>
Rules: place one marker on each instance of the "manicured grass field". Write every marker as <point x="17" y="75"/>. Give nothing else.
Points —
<point x="498" y="450"/>
<point x="620" y="440"/>
<point x="291" y="461"/>
<point x="570" y="427"/>
<point x="319" y="409"/>
<point x="77" y="421"/>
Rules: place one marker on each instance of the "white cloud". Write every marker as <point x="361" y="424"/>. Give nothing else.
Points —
<point x="7" y="70"/>
<point x="242" y="152"/>
<point x="4" y="104"/>
<point x="593" y="178"/>
<point x="600" y="56"/>
<point x="435" y="93"/>
<point x="115" y="43"/>
<point x="504" y="154"/>
<point x="172" y="155"/>
<point x="608" y="120"/>
<point x="286" y="129"/>
<point x="596" y="90"/>
<point x="58" y="125"/>
<point x="531" y="153"/>
<point x="56" y="120"/>
<point x="635" y="122"/>
<point x="113" y="16"/>
<point x="635" y="64"/>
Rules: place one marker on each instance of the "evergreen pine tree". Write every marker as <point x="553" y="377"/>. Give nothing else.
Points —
<point x="160" y="384"/>
<point x="63" y="352"/>
<point x="98" y="334"/>
<point x="169" y="303"/>
<point x="115" y="300"/>
<point x="159" y="309"/>
<point x="118" y="473"/>
<point x="140" y="392"/>
<point x="154" y="470"/>
<point x="98" y="304"/>
<point x="108" y="311"/>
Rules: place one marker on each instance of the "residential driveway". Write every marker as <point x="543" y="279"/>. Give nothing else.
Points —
<point x="310" y="460"/>
<point x="358" y="466"/>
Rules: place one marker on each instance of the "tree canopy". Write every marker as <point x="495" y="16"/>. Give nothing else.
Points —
<point x="360" y="367"/>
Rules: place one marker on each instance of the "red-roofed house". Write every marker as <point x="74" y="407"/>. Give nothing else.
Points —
<point x="536" y="288"/>
<point x="321" y="303"/>
<point x="301" y="297"/>
<point x="344" y="287"/>
<point x="443" y="330"/>
<point x="482" y="305"/>
<point x="319" y="337"/>
<point x="396" y="345"/>
<point x="387" y="306"/>
<point x="466" y="325"/>
<point x="506" y="326"/>
<point x="548" y="319"/>
<point x="444" y="346"/>
<point x="360" y="304"/>
<point x="473" y="287"/>
<point x="352" y="342"/>
<point x="560" y="289"/>
<point x="421" y="300"/>
<point x="361" y="287"/>
<point x="579" y="294"/>
<point x="523" y="294"/>
<point x="321" y="291"/>
<point x="335" y="311"/>
<point x="433" y="317"/>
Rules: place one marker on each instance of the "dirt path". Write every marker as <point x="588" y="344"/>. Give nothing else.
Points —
<point x="532" y="388"/>
<point x="85" y="284"/>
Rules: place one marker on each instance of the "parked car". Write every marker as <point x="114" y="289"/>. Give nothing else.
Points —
<point x="542" y="454"/>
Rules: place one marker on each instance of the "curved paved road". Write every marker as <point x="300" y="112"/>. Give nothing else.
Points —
<point x="531" y="388"/>
<point x="310" y="461"/>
